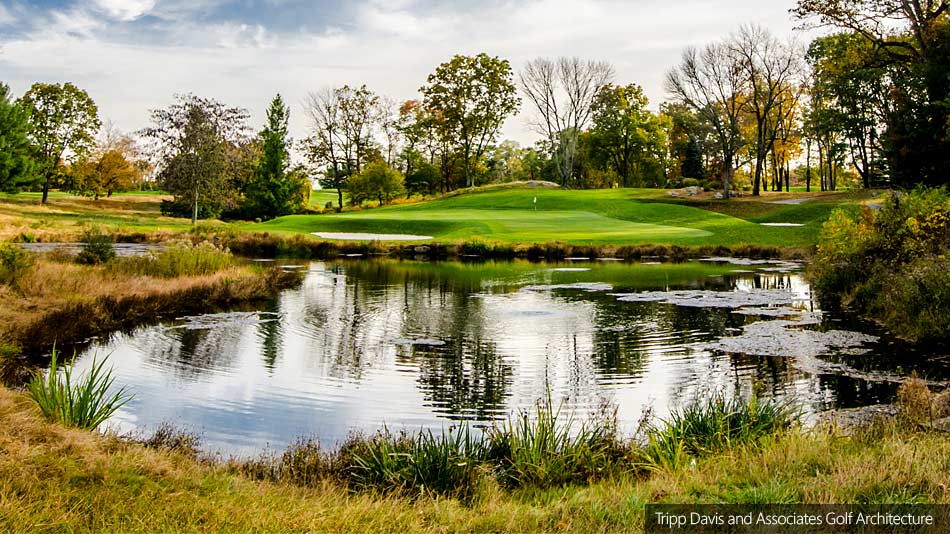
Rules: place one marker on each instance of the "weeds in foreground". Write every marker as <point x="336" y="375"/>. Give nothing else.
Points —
<point x="712" y="425"/>
<point x="544" y="448"/>
<point x="84" y="403"/>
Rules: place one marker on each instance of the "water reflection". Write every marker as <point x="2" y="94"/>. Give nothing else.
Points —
<point x="413" y="345"/>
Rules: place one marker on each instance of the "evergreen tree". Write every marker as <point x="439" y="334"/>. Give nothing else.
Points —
<point x="16" y="164"/>
<point x="274" y="190"/>
<point x="693" y="161"/>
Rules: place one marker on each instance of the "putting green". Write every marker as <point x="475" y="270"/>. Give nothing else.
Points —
<point x="583" y="217"/>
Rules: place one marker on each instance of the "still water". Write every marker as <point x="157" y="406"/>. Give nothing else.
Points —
<point x="412" y="345"/>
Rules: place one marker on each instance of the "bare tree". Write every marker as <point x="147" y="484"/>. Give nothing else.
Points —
<point x="712" y="83"/>
<point x="562" y="91"/>
<point x="772" y="73"/>
<point x="324" y="147"/>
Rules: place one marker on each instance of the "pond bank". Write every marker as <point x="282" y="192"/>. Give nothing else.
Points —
<point x="64" y="303"/>
<point x="63" y="479"/>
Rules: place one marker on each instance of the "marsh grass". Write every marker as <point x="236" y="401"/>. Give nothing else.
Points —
<point x="70" y="302"/>
<point x="713" y="424"/>
<point x="84" y="402"/>
<point x="180" y="260"/>
<point x="544" y="447"/>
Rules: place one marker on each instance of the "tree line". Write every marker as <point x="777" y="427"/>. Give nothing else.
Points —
<point x="867" y="103"/>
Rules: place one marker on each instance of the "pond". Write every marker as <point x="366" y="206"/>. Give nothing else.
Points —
<point x="411" y="345"/>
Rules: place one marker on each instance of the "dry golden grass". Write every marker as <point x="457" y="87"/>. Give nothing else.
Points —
<point x="65" y="302"/>
<point x="54" y="479"/>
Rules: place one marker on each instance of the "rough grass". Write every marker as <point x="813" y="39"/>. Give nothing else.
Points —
<point x="56" y="479"/>
<point x="66" y="303"/>
<point x="600" y="217"/>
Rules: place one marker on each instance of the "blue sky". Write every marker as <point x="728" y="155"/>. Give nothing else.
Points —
<point x="133" y="55"/>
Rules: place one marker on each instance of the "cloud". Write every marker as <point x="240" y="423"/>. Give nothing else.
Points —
<point x="6" y="18"/>
<point x="125" y="10"/>
<point x="152" y="50"/>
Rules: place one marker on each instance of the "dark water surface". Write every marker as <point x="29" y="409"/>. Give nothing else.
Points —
<point x="414" y="345"/>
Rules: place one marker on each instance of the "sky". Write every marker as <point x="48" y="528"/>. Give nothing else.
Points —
<point x="132" y="56"/>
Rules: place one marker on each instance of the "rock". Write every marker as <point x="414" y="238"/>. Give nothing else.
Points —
<point x="940" y="425"/>
<point x="717" y="195"/>
<point x="693" y="190"/>
<point x="421" y="250"/>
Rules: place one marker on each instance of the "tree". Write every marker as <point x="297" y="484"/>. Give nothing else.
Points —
<point x="377" y="182"/>
<point x="273" y="190"/>
<point x="711" y="82"/>
<point x="563" y="93"/>
<point x="771" y="70"/>
<point x="911" y="39"/>
<point x="470" y="98"/>
<point x="63" y="124"/>
<point x="692" y="166"/>
<point x="343" y="120"/>
<point x="16" y="162"/>
<point x="633" y="138"/>
<point x="194" y="139"/>
<point x="109" y="173"/>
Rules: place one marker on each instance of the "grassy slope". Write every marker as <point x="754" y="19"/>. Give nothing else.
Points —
<point x="66" y="215"/>
<point x="603" y="217"/>
<point x="54" y="479"/>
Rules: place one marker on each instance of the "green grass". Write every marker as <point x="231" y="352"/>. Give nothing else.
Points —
<point x="320" y="197"/>
<point x="84" y="403"/>
<point x="601" y="217"/>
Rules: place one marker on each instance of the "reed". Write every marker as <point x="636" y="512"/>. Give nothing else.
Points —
<point x="85" y="402"/>
<point x="714" y="424"/>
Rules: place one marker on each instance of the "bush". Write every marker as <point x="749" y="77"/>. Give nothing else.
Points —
<point x="86" y="403"/>
<point x="891" y="265"/>
<point x="690" y="182"/>
<point x="14" y="263"/>
<point x="96" y="248"/>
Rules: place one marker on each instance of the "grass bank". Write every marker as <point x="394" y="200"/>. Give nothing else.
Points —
<point x="55" y="479"/>
<point x="48" y="300"/>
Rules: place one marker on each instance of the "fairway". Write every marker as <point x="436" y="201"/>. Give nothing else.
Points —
<point x="602" y="217"/>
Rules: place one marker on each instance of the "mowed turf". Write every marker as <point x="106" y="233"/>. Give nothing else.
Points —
<point x="601" y="217"/>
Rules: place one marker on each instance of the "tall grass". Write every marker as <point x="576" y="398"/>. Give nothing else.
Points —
<point x="85" y="402"/>
<point x="545" y="448"/>
<point x="181" y="260"/>
<point x="713" y="424"/>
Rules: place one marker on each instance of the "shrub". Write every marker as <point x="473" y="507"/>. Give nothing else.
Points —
<point x="85" y="403"/>
<point x="891" y="265"/>
<point x="14" y="263"/>
<point x="690" y="182"/>
<point x="96" y="248"/>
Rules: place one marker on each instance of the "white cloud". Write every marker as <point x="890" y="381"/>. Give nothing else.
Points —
<point x="6" y="18"/>
<point x="125" y="10"/>
<point x="388" y="45"/>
